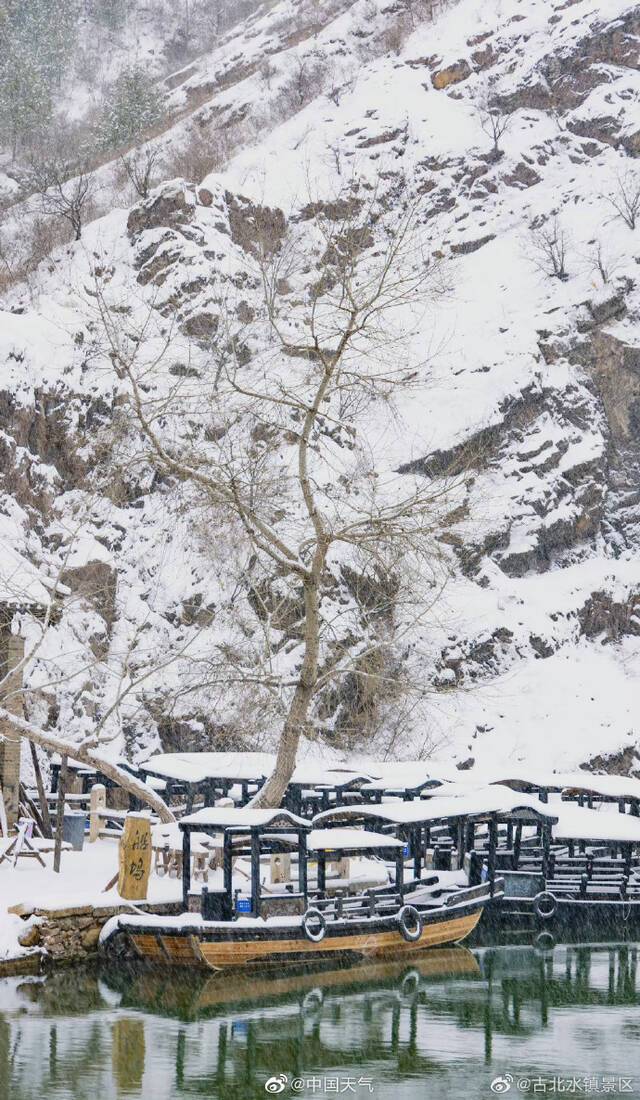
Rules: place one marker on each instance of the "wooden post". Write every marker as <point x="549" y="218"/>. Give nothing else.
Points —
<point x="98" y="801"/>
<point x="227" y="869"/>
<point x="302" y="865"/>
<point x="322" y="872"/>
<point x="400" y="871"/>
<point x="255" y="873"/>
<point x="546" y="849"/>
<point x="460" y="842"/>
<point x="491" y="862"/>
<point x="186" y="868"/>
<point x="44" y="806"/>
<point x="62" y="790"/>
<point x="516" y="846"/>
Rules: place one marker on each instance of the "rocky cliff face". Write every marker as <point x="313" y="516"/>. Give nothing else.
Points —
<point x="533" y="654"/>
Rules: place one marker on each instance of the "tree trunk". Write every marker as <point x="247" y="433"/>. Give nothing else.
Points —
<point x="272" y="792"/>
<point x="124" y="780"/>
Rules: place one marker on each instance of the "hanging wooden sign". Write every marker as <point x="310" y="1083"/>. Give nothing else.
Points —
<point x="135" y="858"/>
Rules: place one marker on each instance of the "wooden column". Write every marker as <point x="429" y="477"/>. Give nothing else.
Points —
<point x="186" y="868"/>
<point x="400" y="870"/>
<point x="516" y="847"/>
<point x="255" y="873"/>
<point x="322" y="871"/>
<point x="491" y="862"/>
<point x="460" y="845"/>
<point x="416" y="844"/>
<point x="227" y="872"/>
<point x="546" y="848"/>
<point x="302" y="866"/>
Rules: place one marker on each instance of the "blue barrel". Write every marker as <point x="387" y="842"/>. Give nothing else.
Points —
<point x="73" y="826"/>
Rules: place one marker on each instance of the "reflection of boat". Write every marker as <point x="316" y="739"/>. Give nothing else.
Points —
<point x="199" y="994"/>
<point x="281" y="927"/>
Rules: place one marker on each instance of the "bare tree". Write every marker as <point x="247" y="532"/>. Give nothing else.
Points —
<point x="494" y="119"/>
<point x="625" y="199"/>
<point x="602" y="261"/>
<point x="140" y="167"/>
<point x="333" y="565"/>
<point x="306" y="78"/>
<point x="549" y="244"/>
<point x="65" y="190"/>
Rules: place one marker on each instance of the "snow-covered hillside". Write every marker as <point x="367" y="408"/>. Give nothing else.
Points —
<point x="532" y="653"/>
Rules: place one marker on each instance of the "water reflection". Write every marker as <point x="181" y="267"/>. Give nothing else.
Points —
<point x="445" y="1025"/>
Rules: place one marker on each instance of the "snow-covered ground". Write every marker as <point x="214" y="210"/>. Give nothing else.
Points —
<point x="81" y="881"/>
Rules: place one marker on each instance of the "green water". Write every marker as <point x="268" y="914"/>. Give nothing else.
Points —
<point x="446" y="1025"/>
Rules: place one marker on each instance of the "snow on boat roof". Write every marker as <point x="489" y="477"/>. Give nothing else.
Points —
<point x="316" y="775"/>
<point x="407" y="773"/>
<point x="227" y="817"/>
<point x="612" y="786"/>
<point x="580" y="823"/>
<point x="336" y="839"/>
<point x="198" y="767"/>
<point x="487" y="800"/>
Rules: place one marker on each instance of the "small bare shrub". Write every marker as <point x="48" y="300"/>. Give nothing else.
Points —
<point x="625" y="199"/>
<point x="140" y="169"/>
<point x="199" y="155"/>
<point x="549" y="246"/>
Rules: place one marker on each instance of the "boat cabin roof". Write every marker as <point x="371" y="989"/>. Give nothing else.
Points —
<point x="219" y="818"/>
<point x="203" y="767"/>
<point x="580" y="823"/>
<point x="338" y="840"/>
<point x="606" y="786"/>
<point x="200" y="767"/>
<point x="315" y="775"/>
<point x="487" y="802"/>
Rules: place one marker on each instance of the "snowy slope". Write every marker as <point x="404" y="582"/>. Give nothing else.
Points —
<point x="533" y="653"/>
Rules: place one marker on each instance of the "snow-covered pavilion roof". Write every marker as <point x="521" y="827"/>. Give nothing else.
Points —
<point x="198" y="767"/>
<point x="240" y="817"/>
<point x="336" y="839"/>
<point x="486" y="800"/>
<point x="610" y="786"/>
<point x="580" y="823"/>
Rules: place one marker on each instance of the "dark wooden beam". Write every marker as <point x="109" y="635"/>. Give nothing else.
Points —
<point x="186" y="867"/>
<point x="62" y="790"/>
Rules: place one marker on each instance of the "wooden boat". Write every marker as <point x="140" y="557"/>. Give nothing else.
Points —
<point x="293" y="927"/>
<point x="581" y="877"/>
<point x="566" y="868"/>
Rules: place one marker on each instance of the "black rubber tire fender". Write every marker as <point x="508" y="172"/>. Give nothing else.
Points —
<point x="545" y="904"/>
<point x="311" y="917"/>
<point x="410" y="923"/>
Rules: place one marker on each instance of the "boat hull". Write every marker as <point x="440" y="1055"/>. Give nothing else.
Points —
<point x="221" y="947"/>
<point x="573" y="916"/>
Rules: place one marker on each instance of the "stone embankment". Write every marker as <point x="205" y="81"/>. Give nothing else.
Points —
<point x="69" y="935"/>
